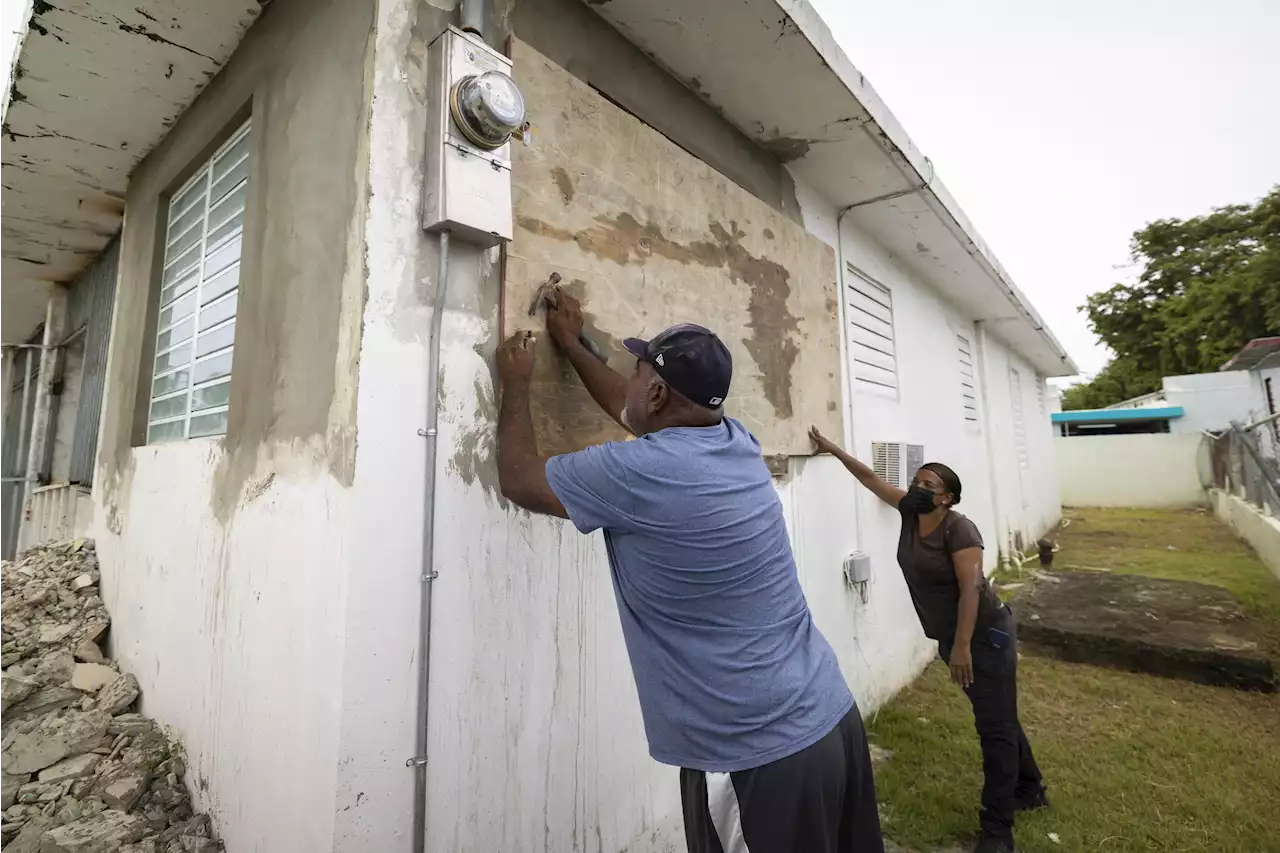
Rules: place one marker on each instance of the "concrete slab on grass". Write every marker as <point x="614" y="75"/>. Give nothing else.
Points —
<point x="1176" y="629"/>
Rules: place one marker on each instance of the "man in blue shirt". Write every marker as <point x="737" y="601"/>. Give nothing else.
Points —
<point x="737" y="686"/>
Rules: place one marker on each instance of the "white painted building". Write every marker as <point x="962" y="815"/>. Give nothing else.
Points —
<point x="266" y="583"/>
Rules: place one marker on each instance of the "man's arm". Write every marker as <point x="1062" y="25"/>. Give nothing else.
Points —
<point x="606" y="386"/>
<point x="522" y="473"/>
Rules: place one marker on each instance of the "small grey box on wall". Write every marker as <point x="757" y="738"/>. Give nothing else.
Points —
<point x="467" y="188"/>
<point x="857" y="568"/>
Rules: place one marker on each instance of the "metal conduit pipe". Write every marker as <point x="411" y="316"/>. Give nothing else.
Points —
<point x="850" y="388"/>
<point x="473" y="12"/>
<point x="428" y="572"/>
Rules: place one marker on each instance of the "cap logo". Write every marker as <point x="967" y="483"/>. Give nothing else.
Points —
<point x="659" y="361"/>
<point x="715" y="401"/>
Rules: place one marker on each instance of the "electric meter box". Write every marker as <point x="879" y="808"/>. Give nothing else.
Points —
<point x="467" y="188"/>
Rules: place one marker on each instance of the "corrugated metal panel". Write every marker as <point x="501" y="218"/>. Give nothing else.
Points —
<point x="17" y="423"/>
<point x="96" y="290"/>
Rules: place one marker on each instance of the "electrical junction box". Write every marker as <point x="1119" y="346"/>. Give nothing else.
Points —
<point x="468" y="187"/>
<point x="857" y="568"/>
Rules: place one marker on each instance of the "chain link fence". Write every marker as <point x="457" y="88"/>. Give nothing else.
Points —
<point x="1246" y="462"/>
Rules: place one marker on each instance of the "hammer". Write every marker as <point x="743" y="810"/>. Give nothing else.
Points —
<point x="546" y="294"/>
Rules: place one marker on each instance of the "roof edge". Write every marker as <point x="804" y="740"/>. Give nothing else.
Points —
<point x="899" y="145"/>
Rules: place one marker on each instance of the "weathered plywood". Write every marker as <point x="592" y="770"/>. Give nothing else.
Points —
<point x="648" y="236"/>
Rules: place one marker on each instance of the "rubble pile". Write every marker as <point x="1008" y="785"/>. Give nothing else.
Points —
<point x="81" y="772"/>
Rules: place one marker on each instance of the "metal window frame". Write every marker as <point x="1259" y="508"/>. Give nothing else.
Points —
<point x="205" y="174"/>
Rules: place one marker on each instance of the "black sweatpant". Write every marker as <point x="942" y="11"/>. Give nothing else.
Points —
<point x="820" y="800"/>
<point x="1008" y="768"/>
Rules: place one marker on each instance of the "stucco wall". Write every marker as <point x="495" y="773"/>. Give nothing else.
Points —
<point x="1261" y="531"/>
<point x="266" y="587"/>
<point x="1211" y="400"/>
<point x="535" y="738"/>
<point x="1142" y="470"/>
<point x="224" y="560"/>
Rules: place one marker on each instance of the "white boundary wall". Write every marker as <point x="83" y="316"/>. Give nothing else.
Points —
<point x="1141" y="470"/>
<point x="1261" y="531"/>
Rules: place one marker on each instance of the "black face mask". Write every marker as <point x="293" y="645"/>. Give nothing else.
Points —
<point x="919" y="500"/>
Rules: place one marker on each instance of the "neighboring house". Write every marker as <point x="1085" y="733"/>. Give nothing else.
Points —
<point x="1245" y="389"/>
<point x="1261" y="357"/>
<point x="259" y="491"/>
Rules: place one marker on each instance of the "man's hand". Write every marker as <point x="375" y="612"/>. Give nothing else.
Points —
<point x="564" y="319"/>
<point x="821" y="443"/>
<point x="962" y="666"/>
<point x="515" y="358"/>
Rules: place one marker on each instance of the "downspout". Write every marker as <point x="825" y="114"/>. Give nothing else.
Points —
<point x="428" y="572"/>
<point x="981" y="343"/>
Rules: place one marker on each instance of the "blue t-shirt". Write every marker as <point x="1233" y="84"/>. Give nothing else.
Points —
<point x="730" y="669"/>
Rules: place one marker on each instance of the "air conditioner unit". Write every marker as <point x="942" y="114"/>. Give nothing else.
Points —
<point x="895" y="462"/>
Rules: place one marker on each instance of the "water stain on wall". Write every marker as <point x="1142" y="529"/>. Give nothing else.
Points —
<point x="563" y="183"/>
<point x="772" y="343"/>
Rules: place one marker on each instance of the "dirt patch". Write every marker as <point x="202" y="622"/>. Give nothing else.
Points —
<point x="1177" y="629"/>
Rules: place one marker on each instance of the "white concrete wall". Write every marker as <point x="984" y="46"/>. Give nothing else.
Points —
<point x="283" y="641"/>
<point x="1211" y="400"/>
<point x="1140" y="470"/>
<point x="1027" y="492"/>
<point x="1261" y="531"/>
<point x="235" y="633"/>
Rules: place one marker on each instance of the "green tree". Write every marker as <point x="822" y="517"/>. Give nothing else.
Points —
<point x="1208" y="286"/>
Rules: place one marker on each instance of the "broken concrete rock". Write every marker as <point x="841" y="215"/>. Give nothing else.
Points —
<point x="55" y="668"/>
<point x="130" y="724"/>
<point x="9" y="785"/>
<point x="102" y="833"/>
<point x="92" y="677"/>
<point x="197" y="844"/>
<point x="121" y="787"/>
<point x="31" y="836"/>
<point x="118" y="695"/>
<point x="89" y="652"/>
<point x="56" y="737"/>
<point x="15" y="688"/>
<point x="44" y="701"/>
<point x="108" y="782"/>
<point x="75" y="767"/>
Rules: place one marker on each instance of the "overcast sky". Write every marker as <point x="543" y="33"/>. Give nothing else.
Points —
<point x="1061" y="128"/>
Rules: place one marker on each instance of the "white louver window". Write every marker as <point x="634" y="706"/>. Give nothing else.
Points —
<point x="871" y="338"/>
<point x="886" y="461"/>
<point x="196" y="329"/>
<point x="1019" y="421"/>
<point x="968" y="387"/>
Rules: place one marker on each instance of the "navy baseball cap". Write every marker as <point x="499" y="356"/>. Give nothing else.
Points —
<point x="691" y="359"/>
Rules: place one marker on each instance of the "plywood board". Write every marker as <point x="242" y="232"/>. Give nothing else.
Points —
<point x="649" y="236"/>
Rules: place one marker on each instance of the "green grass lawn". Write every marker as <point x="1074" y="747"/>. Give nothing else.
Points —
<point x="1134" y="762"/>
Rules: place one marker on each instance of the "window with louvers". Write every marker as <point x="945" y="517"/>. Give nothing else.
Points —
<point x="968" y="388"/>
<point x="1019" y="422"/>
<point x="886" y="461"/>
<point x="195" y="335"/>
<point x="871" y="337"/>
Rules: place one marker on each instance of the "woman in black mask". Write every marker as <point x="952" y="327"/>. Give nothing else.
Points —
<point x="940" y="553"/>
